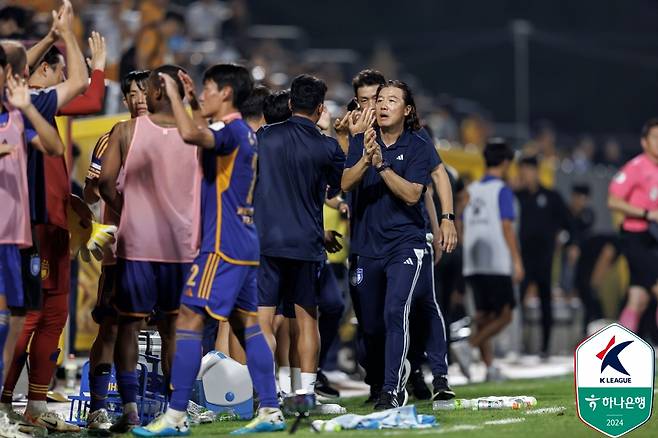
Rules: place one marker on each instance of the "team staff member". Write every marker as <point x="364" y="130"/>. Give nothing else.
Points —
<point x="296" y="165"/>
<point x="543" y="214"/>
<point x="388" y="169"/>
<point x="491" y="256"/>
<point x="634" y="192"/>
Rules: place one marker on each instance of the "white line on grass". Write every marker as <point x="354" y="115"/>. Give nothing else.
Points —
<point x="504" y="421"/>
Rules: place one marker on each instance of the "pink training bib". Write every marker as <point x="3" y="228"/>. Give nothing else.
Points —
<point x="160" y="220"/>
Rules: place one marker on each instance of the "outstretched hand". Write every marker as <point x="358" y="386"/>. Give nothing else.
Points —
<point x="98" y="51"/>
<point x="18" y="93"/>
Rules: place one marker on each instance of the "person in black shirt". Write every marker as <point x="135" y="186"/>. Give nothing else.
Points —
<point x="296" y="164"/>
<point x="543" y="215"/>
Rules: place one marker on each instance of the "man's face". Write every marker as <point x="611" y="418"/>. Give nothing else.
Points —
<point x="54" y="74"/>
<point x="366" y="96"/>
<point x="528" y="174"/>
<point x="210" y="98"/>
<point x="578" y="201"/>
<point x="650" y="143"/>
<point x="136" y="100"/>
<point x="390" y="107"/>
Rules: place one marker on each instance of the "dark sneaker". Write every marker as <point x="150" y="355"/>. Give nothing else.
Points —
<point x="442" y="390"/>
<point x="324" y="388"/>
<point x="419" y="388"/>
<point x="390" y="400"/>
<point x="126" y="423"/>
<point x="375" y="392"/>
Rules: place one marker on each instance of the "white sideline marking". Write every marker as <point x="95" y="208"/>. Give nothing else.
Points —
<point x="504" y="421"/>
<point x="548" y="410"/>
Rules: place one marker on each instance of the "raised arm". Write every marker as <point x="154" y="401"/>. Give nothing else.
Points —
<point x="36" y="52"/>
<point x="47" y="139"/>
<point x="91" y="101"/>
<point x="77" y="79"/>
<point x="189" y="130"/>
<point x="190" y="94"/>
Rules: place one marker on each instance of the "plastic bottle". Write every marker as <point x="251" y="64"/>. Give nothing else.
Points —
<point x="71" y="371"/>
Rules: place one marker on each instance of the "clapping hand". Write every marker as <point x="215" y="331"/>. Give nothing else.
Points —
<point x="98" y="51"/>
<point x="362" y="122"/>
<point x="18" y="93"/>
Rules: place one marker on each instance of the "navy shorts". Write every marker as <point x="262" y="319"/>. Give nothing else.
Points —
<point x="147" y="286"/>
<point x="11" y="284"/>
<point x="288" y="282"/>
<point x="219" y="287"/>
<point x="105" y="301"/>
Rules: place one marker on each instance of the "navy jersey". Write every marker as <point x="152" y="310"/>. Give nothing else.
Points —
<point x="45" y="101"/>
<point x="297" y="163"/>
<point x="229" y="173"/>
<point x="381" y="222"/>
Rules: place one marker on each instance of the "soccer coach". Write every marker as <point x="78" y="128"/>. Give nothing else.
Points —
<point x="387" y="170"/>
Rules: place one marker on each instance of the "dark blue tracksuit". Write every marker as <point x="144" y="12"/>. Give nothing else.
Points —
<point x="387" y="250"/>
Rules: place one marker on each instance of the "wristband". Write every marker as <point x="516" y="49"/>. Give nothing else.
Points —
<point x="448" y="216"/>
<point x="383" y="166"/>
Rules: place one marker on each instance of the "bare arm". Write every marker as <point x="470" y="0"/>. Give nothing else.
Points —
<point x="407" y="191"/>
<point x="434" y="223"/>
<point x="90" y="193"/>
<point x="617" y="204"/>
<point x="190" y="94"/>
<point x="36" y="52"/>
<point x="78" y="77"/>
<point x="47" y="139"/>
<point x="512" y="244"/>
<point x="190" y="131"/>
<point x="112" y="162"/>
<point x="444" y="188"/>
<point x="352" y="176"/>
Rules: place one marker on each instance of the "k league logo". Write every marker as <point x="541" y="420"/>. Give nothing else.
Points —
<point x="614" y="373"/>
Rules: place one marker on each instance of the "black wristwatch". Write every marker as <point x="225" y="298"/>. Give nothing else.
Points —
<point x="383" y="166"/>
<point x="448" y="216"/>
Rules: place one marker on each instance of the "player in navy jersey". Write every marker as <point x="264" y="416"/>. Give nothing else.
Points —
<point x="222" y="280"/>
<point x="297" y="164"/>
<point x="388" y="169"/>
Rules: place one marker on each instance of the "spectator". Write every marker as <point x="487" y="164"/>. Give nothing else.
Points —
<point x="204" y="19"/>
<point x="13" y="22"/>
<point x="582" y="221"/>
<point x="612" y="153"/>
<point x="583" y="154"/>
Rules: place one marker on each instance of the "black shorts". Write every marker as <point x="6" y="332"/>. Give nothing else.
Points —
<point x="105" y="307"/>
<point x="641" y="252"/>
<point x="31" y="276"/>
<point x="288" y="282"/>
<point x="491" y="292"/>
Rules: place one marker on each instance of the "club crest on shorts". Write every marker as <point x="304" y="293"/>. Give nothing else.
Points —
<point x="614" y="380"/>
<point x="357" y="276"/>
<point x="35" y="265"/>
<point x="45" y="269"/>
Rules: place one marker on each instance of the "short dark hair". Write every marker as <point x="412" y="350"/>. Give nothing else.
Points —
<point x="52" y="57"/>
<point x="175" y="16"/>
<point x="252" y="108"/>
<point x="276" y="108"/>
<point x="139" y="76"/>
<point x="411" y="121"/>
<point x="232" y="75"/>
<point x="496" y="152"/>
<point x="3" y="58"/>
<point x="581" y="188"/>
<point x="16" y="14"/>
<point x="648" y="125"/>
<point x="171" y="70"/>
<point x="366" y="78"/>
<point x="529" y="160"/>
<point x="306" y="94"/>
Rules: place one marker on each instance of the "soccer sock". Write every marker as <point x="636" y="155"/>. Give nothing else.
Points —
<point x="99" y="379"/>
<point x="128" y="386"/>
<point x="4" y="329"/>
<point x="296" y="379"/>
<point x="19" y="357"/>
<point x="36" y="407"/>
<point x="629" y="319"/>
<point x="187" y="362"/>
<point x="284" y="379"/>
<point x="308" y="382"/>
<point x="260" y="363"/>
<point x="45" y="342"/>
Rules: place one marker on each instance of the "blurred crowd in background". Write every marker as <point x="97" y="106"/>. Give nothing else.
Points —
<point x="148" y="33"/>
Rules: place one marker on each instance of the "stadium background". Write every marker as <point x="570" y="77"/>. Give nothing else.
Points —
<point x="584" y="71"/>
